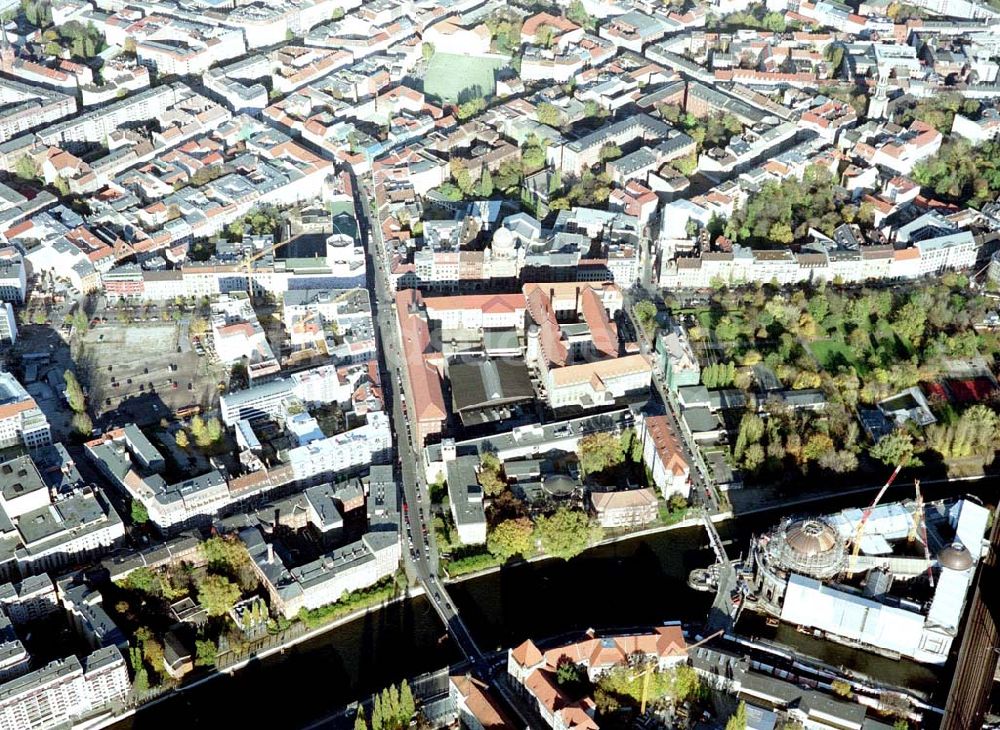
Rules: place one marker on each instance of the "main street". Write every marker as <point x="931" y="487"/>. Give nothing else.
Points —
<point x="421" y="554"/>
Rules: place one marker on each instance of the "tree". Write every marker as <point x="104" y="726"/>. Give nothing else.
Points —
<point x="544" y="35"/>
<point x="835" y="55"/>
<point x="645" y="314"/>
<point x="152" y="649"/>
<point x="204" y="651"/>
<point x="489" y="476"/>
<point x="359" y="722"/>
<point x="599" y="451"/>
<point x="625" y="682"/>
<point x="894" y="448"/>
<point x="548" y="114"/>
<point x="738" y="720"/>
<point x="140" y="515"/>
<point x="579" y="15"/>
<point x="225" y="555"/>
<point x="486" y="183"/>
<point x="140" y="684"/>
<point x="82" y="424"/>
<point x="181" y="439"/>
<point x="841" y="688"/>
<point x="773" y="22"/>
<point x="143" y="580"/>
<point x="781" y="232"/>
<point x="460" y="173"/>
<point x="532" y="156"/>
<point x="427" y="51"/>
<point x="217" y="594"/>
<point x="817" y="446"/>
<point x="511" y="538"/>
<point x="407" y="705"/>
<point x="751" y="431"/>
<point x="471" y="107"/>
<point x="213" y="429"/>
<point x="842" y="462"/>
<point x="610" y="152"/>
<point x="378" y="718"/>
<point x="909" y="322"/>
<point x="74" y="392"/>
<point x="567" y="533"/>
<point x="753" y="457"/>
<point x="199" y="430"/>
<point x="491" y="482"/>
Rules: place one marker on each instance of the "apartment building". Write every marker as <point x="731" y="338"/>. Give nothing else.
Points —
<point x="21" y="420"/>
<point x="663" y="455"/>
<point x="64" y="691"/>
<point x="40" y="531"/>
<point x="322" y="458"/>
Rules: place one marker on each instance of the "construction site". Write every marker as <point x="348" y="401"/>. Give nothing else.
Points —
<point x="892" y="578"/>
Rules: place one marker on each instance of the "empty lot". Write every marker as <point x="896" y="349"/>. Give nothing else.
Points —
<point x="142" y="372"/>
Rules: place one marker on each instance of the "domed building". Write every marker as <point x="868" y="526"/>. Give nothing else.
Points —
<point x="808" y="546"/>
<point x="955" y="557"/>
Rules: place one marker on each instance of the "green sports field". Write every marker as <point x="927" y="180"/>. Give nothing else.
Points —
<point x="449" y="75"/>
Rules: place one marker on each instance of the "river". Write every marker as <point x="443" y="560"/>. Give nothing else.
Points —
<point x="637" y="582"/>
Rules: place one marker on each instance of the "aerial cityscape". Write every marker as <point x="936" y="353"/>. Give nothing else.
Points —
<point x="486" y="364"/>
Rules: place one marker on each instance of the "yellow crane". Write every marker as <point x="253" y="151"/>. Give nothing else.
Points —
<point x="651" y="668"/>
<point x="860" y="531"/>
<point x="920" y="530"/>
<point x="251" y="260"/>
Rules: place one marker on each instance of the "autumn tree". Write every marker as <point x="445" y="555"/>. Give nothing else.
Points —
<point x="567" y="533"/>
<point x="738" y="720"/>
<point x="489" y="476"/>
<point x="548" y="114"/>
<point x="217" y="594"/>
<point x="645" y="315"/>
<point x="359" y="722"/>
<point x="82" y="424"/>
<point x="599" y="451"/>
<point x="74" y="392"/>
<point x="894" y="448"/>
<point x="510" y="538"/>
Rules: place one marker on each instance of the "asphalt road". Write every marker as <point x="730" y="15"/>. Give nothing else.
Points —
<point x="420" y="552"/>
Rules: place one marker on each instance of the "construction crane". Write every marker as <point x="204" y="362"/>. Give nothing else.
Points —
<point x="860" y="531"/>
<point x="251" y="260"/>
<point x="920" y="524"/>
<point x="652" y="667"/>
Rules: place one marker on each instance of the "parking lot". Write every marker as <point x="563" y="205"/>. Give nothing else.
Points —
<point x="145" y="371"/>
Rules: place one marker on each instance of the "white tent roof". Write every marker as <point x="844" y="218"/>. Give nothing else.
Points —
<point x="810" y="603"/>
<point x="969" y="520"/>
<point x="891" y="521"/>
<point x="949" y="598"/>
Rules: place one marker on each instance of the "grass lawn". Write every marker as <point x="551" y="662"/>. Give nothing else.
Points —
<point x="449" y="74"/>
<point x="833" y="353"/>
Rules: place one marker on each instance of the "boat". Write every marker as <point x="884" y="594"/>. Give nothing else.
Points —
<point x="704" y="579"/>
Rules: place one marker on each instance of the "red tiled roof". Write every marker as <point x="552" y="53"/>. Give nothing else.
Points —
<point x="603" y="332"/>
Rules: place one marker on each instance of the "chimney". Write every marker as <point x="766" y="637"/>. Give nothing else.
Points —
<point x="270" y="553"/>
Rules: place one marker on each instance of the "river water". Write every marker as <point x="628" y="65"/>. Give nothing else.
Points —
<point x="638" y="582"/>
